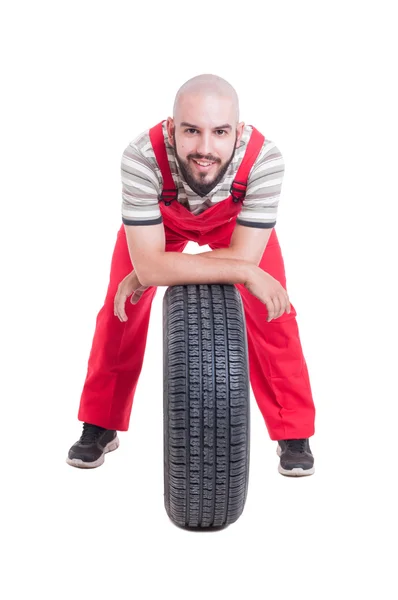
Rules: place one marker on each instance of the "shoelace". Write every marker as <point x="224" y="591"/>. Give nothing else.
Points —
<point x="90" y="433"/>
<point x="296" y="445"/>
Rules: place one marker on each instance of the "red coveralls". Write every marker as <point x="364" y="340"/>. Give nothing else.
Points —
<point x="278" y="370"/>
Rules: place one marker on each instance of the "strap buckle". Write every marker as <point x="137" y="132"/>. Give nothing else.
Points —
<point x="238" y="190"/>
<point x="168" y="196"/>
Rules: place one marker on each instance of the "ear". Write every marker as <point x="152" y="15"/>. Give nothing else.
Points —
<point x="170" y="130"/>
<point x="239" y="132"/>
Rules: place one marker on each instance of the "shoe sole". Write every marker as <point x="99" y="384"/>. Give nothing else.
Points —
<point x="297" y="471"/>
<point x="78" y="462"/>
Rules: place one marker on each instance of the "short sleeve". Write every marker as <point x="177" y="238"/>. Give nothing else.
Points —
<point x="260" y="205"/>
<point x="140" y="189"/>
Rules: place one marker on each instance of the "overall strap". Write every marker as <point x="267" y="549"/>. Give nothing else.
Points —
<point x="169" y="191"/>
<point x="239" y="185"/>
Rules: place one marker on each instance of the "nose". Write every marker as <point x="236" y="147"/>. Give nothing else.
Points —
<point x="204" y="145"/>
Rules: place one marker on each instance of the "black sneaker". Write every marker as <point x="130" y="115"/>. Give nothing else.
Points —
<point x="94" y="443"/>
<point x="296" y="457"/>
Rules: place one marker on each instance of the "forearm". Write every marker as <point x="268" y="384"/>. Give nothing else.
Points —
<point x="177" y="268"/>
<point x="221" y="253"/>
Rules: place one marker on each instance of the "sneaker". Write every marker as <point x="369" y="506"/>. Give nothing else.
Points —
<point x="296" y="457"/>
<point x="94" y="443"/>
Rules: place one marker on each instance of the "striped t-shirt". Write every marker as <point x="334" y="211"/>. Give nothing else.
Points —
<point x="142" y="183"/>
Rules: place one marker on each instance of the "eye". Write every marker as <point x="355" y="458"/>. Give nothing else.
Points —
<point x="220" y="132"/>
<point x="190" y="130"/>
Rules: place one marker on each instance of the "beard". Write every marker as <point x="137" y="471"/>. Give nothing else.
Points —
<point x="199" y="186"/>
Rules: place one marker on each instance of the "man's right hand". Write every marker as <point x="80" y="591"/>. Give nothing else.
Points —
<point x="269" y="291"/>
<point x="129" y="285"/>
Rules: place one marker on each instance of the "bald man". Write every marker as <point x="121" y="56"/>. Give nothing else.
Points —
<point x="200" y="176"/>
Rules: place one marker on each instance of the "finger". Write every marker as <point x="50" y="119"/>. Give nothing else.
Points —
<point x="282" y="304"/>
<point x="119" y="303"/>
<point x="271" y="308"/>
<point x="115" y="306"/>
<point x="285" y="304"/>
<point x="122" y="313"/>
<point x="288" y="305"/>
<point x="286" y="301"/>
<point x="138" y="293"/>
<point x="277" y="307"/>
<point x="135" y="297"/>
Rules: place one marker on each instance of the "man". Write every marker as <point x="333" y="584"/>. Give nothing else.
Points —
<point x="206" y="177"/>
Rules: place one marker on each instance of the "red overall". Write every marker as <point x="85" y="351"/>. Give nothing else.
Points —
<point x="278" y="370"/>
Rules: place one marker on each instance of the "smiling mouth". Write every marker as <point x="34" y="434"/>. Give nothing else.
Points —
<point x="203" y="164"/>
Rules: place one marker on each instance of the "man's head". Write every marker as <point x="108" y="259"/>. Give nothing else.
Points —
<point x="205" y="130"/>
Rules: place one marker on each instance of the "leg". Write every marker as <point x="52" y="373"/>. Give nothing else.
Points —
<point x="278" y="371"/>
<point x="117" y="352"/>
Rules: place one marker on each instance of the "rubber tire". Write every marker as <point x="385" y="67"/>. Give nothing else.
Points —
<point x="206" y="405"/>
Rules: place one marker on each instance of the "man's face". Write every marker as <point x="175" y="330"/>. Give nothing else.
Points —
<point x="204" y="134"/>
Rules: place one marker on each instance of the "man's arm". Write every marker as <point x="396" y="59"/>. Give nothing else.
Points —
<point x="155" y="267"/>
<point x="259" y="210"/>
<point x="247" y="243"/>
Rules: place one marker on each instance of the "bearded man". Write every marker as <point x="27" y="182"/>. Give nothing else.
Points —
<point x="199" y="176"/>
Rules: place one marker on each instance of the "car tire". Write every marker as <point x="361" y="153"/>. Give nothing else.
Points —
<point x="206" y="405"/>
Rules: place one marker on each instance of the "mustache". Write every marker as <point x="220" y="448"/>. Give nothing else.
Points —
<point x="201" y="157"/>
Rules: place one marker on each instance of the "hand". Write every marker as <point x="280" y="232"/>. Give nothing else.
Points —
<point x="269" y="291"/>
<point x="129" y="285"/>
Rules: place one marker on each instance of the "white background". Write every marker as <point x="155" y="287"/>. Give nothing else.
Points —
<point x="80" y="80"/>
